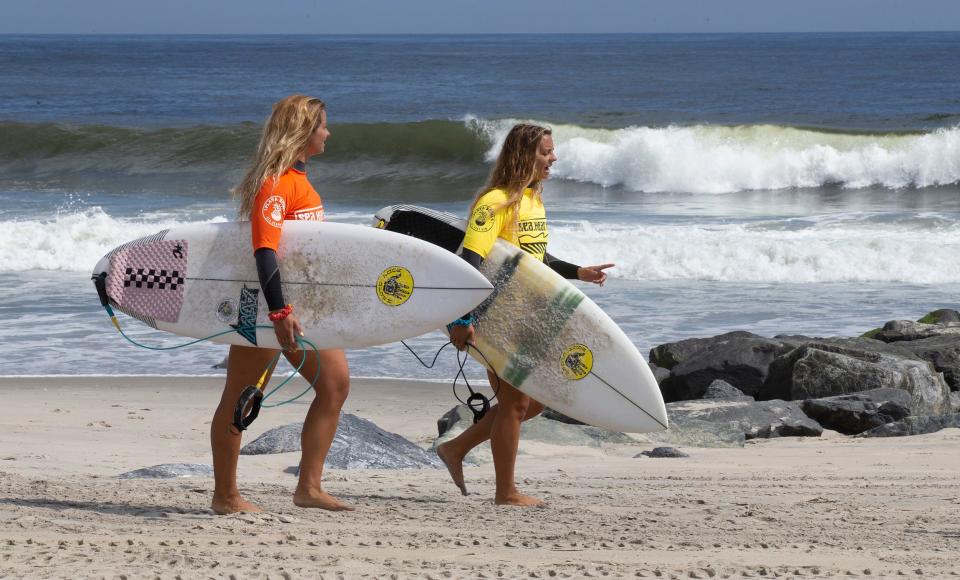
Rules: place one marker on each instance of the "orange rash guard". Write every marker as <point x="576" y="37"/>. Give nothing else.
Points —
<point x="289" y="198"/>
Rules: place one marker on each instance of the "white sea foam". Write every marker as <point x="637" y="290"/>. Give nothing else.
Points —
<point x="831" y="248"/>
<point x="825" y="252"/>
<point x="718" y="159"/>
<point x="71" y="242"/>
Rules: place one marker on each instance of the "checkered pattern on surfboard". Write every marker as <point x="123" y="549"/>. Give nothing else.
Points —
<point x="146" y="280"/>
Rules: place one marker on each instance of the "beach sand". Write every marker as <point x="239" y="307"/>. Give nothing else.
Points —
<point x="833" y="506"/>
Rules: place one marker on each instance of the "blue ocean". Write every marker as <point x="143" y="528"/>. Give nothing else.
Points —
<point x="776" y="183"/>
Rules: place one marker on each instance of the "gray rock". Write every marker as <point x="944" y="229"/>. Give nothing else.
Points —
<point x="753" y="419"/>
<point x="941" y="316"/>
<point x="905" y="330"/>
<point x="690" y="432"/>
<point x="915" y="426"/>
<point x="955" y="402"/>
<point x="169" y="470"/>
<point x="859" y="412"/>
<point x="671" y="354"/>
<point x="222" y="364"/>
<point x="358" y="444"/>
<point x="662" y="452"/>
<point x="740" y="358"/>
<point x="451" y="417"/>
<point x="660" y="374"/>
<point x="832" y="367"/>
<point x="943" y="352"/>
<point x="723" y="390"/>
<point x="538" y="429"/>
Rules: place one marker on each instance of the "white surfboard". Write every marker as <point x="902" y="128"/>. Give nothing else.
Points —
<point x="350" y="286"/>
<point x="544" y="336"/>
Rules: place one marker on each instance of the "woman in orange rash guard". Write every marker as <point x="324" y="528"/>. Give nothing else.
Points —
<point x="276" y="189"/>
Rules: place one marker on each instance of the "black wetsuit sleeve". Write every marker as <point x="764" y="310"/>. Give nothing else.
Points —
<point x="475" y="260"/>
<point x="565" y="269"/>
<point x="268" y="270"/>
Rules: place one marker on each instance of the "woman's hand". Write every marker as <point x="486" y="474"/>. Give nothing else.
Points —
<point x="287" y="330"/>
<point x="461" y="336"/>
<point x="593" y="274"/>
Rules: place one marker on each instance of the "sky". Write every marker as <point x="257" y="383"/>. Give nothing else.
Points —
<point x="471" y="16"/>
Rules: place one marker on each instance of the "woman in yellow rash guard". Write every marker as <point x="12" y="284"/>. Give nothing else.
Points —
<point x="509" y="207"/>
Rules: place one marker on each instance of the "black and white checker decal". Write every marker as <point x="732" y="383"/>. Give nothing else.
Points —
<point x="153" y="278"/>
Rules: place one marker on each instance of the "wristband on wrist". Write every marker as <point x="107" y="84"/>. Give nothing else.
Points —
<point x="465" y="321"/>
<point x="280" y="314"/>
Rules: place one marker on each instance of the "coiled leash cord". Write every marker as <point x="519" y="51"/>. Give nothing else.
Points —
<point x="478" y="403"/>
<point x="253" y="397"/>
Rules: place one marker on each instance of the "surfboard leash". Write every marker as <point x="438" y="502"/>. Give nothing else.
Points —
<point x="252" y="396"/>
<point x="478" y="403"/>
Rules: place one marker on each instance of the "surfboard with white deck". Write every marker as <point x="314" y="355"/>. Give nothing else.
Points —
<point x="350" y="286"/>
<point x="544" y="336"/>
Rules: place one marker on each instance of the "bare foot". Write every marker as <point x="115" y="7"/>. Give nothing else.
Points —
<point x="231" y="505"/>
<point x="321" y="500"/>
<point x="518" y="499"/>
<point x="454" y="466"/>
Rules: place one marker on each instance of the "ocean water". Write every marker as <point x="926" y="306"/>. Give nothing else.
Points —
<point x="777" y="183"/>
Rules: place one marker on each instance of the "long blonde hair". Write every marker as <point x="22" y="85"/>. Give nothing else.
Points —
<point x="515" y="169"/>
<point x="285" y="136"/>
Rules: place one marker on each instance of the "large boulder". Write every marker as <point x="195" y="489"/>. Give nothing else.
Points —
<point x="955" y="402"/>
<point x="859" y="412"/>
<point x="906" y="330"/>
<point x="739" y="358"/>
<point x="723" y="390"/>
<point x="754" y="419"/>
<point x="358" y="444"/>
<point x="915" y="426"/>
<point x="842" y="366"/>
<point x="943" y="352"/>
<point x="660" y="374"/>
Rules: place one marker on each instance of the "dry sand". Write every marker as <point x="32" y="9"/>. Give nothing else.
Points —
<point x="824" y="507"/>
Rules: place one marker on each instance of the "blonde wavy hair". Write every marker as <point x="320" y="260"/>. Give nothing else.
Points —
<point x="285" y="136"/>
<point x="515" y="169"/>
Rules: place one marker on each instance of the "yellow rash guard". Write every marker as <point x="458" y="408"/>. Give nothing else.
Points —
<point x="486" y="225"/>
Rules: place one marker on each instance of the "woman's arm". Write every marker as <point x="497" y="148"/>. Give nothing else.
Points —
<point x="570" y="271"/>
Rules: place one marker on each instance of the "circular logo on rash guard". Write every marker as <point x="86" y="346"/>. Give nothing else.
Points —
<point x="395" y="286"/>
<point x="576" y="362"/>
<point x="273" y="211"/>
<point x="482" y="218"/>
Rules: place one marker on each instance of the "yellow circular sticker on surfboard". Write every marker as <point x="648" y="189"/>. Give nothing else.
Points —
<point x="395" y="286"/>
<point x="576" y="362"/>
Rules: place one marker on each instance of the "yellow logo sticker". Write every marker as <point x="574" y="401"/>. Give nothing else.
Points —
<point x="381" y="223"/>
<point x="482" y="219"/>
<point x="576" y="362"/>
<point x="395" y="286"/>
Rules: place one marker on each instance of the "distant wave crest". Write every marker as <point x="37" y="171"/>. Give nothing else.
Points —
<point x="700" y="159"/>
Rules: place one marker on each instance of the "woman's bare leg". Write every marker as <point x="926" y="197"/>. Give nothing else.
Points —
<point x="455" y="450"/>
<point x="244" y="366"/>
<point x="320" y="425"/>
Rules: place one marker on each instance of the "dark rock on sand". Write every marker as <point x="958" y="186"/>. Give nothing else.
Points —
<point x="859" y="412"/>
<point x="723" y="390"/>
<point x="754" y="419"/>
<point x="915" y="426"/>
<point x="943" y="352"/>
<point x="842" y="366"/>
<point x="662" y="452"/>
<point x="906" y="330"/>
<point x="740" y="358"/>
<point x="169" y="470"/>
<point x="660" y="374"/>
<point x="358" y="444"/>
